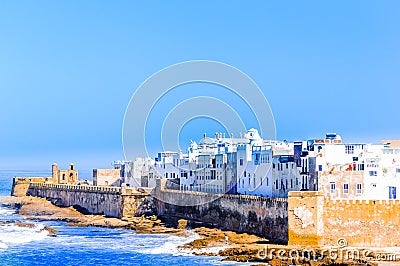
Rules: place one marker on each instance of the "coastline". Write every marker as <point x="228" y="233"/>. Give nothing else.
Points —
<point x="208" y="241"/>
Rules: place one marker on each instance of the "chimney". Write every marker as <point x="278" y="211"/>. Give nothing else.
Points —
<point x="204" y="136"/>
<point x="71" y="166"/>
<point x="240" y="134"/>
<point x="216" y="135"/>
<point x="231" y="135"/>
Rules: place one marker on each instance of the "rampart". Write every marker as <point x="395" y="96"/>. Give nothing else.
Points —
<point x="262" y="216"/>
<point x="21" y="184"/>
<point x="257" y="215"/>
<point x="108" y="201"/>
<point x="316" y="221"/>
<point x="305" y="218"/>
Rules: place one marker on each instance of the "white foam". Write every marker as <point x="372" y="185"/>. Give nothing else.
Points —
<point x="212" y="250"/>
<point x="12" y="234"/>
<point x="3" y="245"/>
<point x="4" y="211"/>
<point x="171" y="245"/>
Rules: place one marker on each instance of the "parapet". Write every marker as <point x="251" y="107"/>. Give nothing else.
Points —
<point x="303" y="194"/>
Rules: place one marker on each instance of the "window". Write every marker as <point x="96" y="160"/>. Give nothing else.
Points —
<point x="273" y="166"/>
<point x="333" y="188"/>
<point x="397" y="170"/>
<point x="345" y="188"/>
<point x="392" y="192"/>
<point x="349" y="149"/>
<point x="373" y="173"/>
<point x="320" y="168"/>
<point x="373" y="184"/>
<point x="241" y="161"/>
<point x="359" y="188"/>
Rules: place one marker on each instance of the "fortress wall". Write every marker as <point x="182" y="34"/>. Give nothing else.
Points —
<point x="314" y="220"/>
<point x="367" y="223"/>
<point x="250" y="214"/>
<point x="95" y="201"/>
<point x="265" y="217"/>
<point x="306" y="218"/>
<point x="21" y="184"/>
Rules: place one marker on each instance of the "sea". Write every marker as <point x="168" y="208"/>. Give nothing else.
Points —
<point x="86" y="245"/>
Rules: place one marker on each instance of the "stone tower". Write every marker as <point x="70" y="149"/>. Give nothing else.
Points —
<point x="54" y="173"/>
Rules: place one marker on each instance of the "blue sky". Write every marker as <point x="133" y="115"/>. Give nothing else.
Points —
<point x="69" y="68"/>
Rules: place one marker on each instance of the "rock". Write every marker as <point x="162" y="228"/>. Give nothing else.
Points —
<point x="21" y="224"/>
<point x="52" y="232"/>
<point x="182" y="224"/>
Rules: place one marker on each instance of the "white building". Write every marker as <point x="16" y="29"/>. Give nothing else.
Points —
<point x="252" y="166"/>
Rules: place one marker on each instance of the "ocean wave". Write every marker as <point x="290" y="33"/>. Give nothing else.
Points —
<point x="5" y="211"/>
<point x="12" y="234"/>
<point x="171" y="245"/>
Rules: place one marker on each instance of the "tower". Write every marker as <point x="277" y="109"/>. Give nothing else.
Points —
<point x="54" y="172"/>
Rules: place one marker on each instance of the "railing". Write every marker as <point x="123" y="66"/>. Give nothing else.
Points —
<point x="226" y="196"/>
<point x="116" y="190"/>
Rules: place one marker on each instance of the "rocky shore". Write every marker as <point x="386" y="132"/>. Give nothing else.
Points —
<point x="210" y="242"/>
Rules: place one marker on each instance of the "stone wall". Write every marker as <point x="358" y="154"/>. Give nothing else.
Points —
<point x="305" y="222"/>
<point x="314" y="220"/>
<point x="265" y="217"/>
<point x="21" y="184"/>
<point x="367" y="223"/>
<point x="92" y="200"/>
<point x="262" y="216"/>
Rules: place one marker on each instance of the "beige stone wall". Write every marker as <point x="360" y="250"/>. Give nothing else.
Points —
<point x="316" y="221"/>
<point x="305" y="218"/>
<point x="107" y="177"/>
<point x="365" y="223"/>
<point x="21" y="184"/>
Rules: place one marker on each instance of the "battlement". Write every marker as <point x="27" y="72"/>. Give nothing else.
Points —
<point x="115" y="190"/>
<point x="358" y="202"/>
<point x="225" y="196"/>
